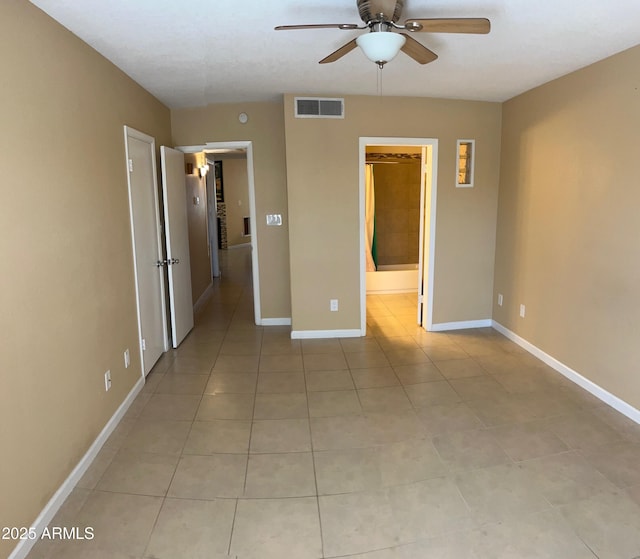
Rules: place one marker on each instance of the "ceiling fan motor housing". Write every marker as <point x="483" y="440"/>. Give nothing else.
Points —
<point x="372" y="10"/>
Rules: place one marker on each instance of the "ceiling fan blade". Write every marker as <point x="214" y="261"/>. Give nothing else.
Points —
<point x="319" y="26"/>
<point x="336" y="55"/>
<point x="450" y="25"/>
<point x="418" y="51"/>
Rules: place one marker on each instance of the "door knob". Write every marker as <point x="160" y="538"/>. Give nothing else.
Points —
<point x="161" y="263"/>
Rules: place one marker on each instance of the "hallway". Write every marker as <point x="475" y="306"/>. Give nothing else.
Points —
<point x="401" y="445"/>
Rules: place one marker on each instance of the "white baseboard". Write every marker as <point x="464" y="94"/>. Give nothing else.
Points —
<point x="442" y="326"/>
<point x="590" y="386"/>
<point x="54" y="504"/>
<point x="203" y="298"/>
<point x="312" y="334"/>
<point x="275" y="322"/>
<point x="241" y="245"/>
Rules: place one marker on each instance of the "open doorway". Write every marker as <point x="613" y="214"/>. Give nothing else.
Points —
<point x="243" y="150"/>
<point x="229" y="197"/>
<point x="403" y="262"/>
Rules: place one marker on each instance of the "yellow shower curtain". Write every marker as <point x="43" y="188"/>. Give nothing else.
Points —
<point x="369" y="213"/>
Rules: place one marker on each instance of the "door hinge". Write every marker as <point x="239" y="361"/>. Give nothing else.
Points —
<point x="144" y="344"/>
<point x="131" y="165"/>
<point x="420" y="299"/>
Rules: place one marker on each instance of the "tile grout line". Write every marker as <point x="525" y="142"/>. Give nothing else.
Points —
<point x="233" y="526"/>
<point x="313" y="461"/>
<point x="255" y="393"/>
<point x="235" y="512"/>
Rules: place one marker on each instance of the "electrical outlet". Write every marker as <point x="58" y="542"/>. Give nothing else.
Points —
<point x="127" y="358"/>
<point x="333" y="305"/>
<point x="522" y="309"/>
<point x="500" y="299"/>
<point x="107" y="381"/>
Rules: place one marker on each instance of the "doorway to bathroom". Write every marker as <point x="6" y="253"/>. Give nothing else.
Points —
<point x="397" y="221"/>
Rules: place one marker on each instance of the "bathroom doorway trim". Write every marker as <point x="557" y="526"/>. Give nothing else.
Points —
<point x="427" y="249"/>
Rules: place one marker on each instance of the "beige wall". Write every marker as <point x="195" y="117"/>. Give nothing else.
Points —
<point x="236" y="197"/>
<point x="198" y="234"/>
<point x="322" y="178"/>
<point x="568" y="238"/>
<point x="265" y="128"/>
<point x="67" y="288"/>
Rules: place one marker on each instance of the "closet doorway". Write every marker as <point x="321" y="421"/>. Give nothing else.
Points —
<point x="397" y="220"/>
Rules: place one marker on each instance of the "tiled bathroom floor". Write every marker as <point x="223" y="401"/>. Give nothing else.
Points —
<point x="401" y="445"/>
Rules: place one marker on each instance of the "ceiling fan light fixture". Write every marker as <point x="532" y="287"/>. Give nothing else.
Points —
<point x="381" y="46"/>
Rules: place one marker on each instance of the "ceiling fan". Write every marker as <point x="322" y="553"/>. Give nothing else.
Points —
<point x="382" y="44"/>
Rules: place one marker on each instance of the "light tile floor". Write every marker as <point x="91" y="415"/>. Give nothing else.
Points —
<point x="401" y="445"/>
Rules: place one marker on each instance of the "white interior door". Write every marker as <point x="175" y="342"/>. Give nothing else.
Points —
<point x="177" y="237"/>
<point x="422" y="277"/>
<point x="147" y="247"/>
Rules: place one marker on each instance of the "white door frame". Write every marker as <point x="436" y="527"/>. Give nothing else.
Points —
<point x="415" y="142"/>
<point x="133" y="133"/>
<point x="248" y="146"/>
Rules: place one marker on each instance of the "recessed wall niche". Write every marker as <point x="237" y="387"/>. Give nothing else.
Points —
<point x="465" y="160"/>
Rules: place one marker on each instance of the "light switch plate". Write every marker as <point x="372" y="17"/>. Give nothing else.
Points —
<point x="274" y="219"/>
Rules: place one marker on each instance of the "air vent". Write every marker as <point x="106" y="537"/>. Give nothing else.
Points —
<point x="315" y="107"/>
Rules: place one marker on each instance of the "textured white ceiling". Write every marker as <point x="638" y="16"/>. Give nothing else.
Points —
<point x="194" y="52"/>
